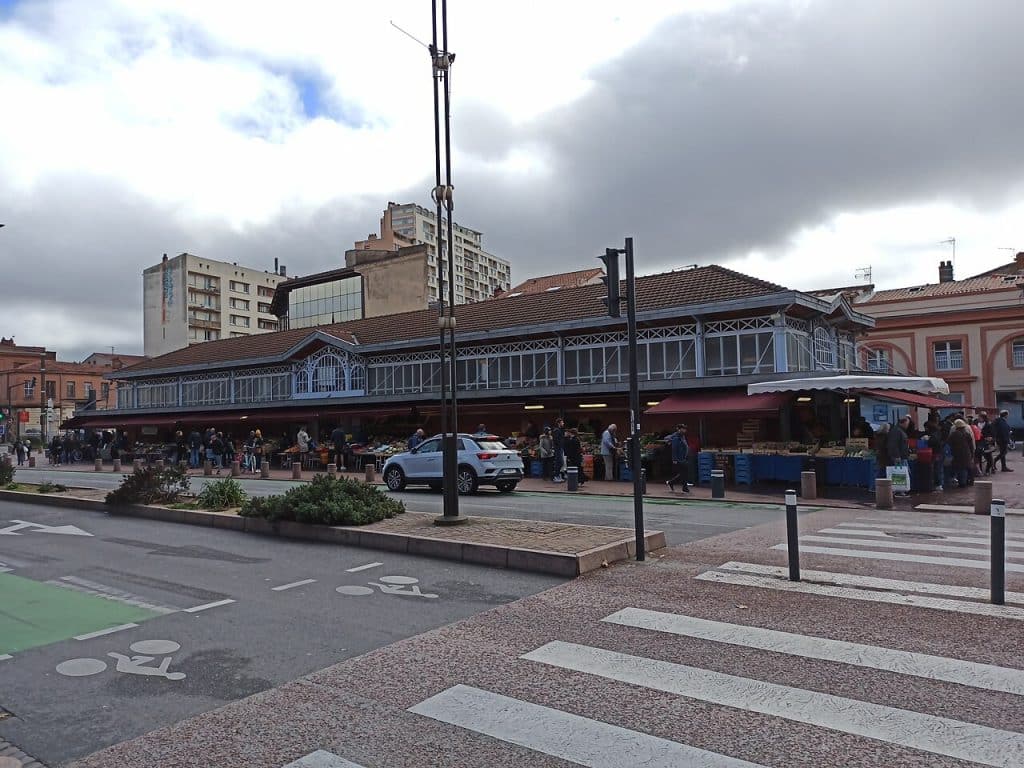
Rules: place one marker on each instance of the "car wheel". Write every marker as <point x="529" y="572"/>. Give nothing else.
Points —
<point x="506" y="487"/>
<point x="466" y="481"/>
<point x="394" y="478"/>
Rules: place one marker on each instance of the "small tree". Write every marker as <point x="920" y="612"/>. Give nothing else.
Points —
<point x="150" y="485"/>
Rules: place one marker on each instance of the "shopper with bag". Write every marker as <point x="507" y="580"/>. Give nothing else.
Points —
<point x="961" y="444"/>
<point x="898" y="452"/>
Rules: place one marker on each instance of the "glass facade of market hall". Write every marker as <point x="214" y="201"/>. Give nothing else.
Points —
<point x="333" y="302"/>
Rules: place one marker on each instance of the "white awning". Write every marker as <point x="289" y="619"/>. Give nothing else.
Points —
<point x="925" y="385"/>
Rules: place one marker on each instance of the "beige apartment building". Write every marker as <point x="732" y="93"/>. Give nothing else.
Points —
<point x="478" y="275"/>
<point x="188" y="300"/>
<point x="968" y="332"/>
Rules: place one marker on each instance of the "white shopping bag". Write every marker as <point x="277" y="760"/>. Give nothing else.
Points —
<point x="900" y="476"/>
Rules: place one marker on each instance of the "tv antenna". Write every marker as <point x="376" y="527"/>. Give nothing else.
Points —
<point x="950" y="241"/>
<point x="410" y="35"/>
<point x="863" y="273"/>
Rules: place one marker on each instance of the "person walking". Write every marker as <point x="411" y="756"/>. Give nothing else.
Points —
<point x="217" y="448"/>
<point x="546" y="454"/>
<point x="481" y="431"/>
<point x="609" y="451"/>
<point x="302" y="440"/>
<point x="19" y="450"/>
<point x="896" y="443"/>
<point x="961" y="444"/>
<point x="574" y="454"/>
<point x="417" y="438"/>
<point x="195" y="442"/>
<point x="1001" y="433"/>
<point x="558" y="443"/>
<point x="339" y="443"/>
<point x="680" y="450"/>
<point x="257" y="451"/>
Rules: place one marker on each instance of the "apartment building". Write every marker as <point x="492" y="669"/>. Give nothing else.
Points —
<point x="479" y="275"/>
<point x="189" y="300"/>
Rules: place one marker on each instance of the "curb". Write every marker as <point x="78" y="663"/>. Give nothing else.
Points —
<point x="496" y="555"/>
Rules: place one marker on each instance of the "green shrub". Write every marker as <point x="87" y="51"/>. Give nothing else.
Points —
<point x="6" y="473"/>
<point x="12" y="486"/>
<point x="47" y="487"/>
<point x="150" y="485"/>
<point x="326" y="501"/>
<point x="221" y="494"/>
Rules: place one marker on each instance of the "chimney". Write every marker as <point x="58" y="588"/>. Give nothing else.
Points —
<point x="276" y="271"/>
<point x="945" y="271"/>
<point x="1019" y="260"/>
<point x="284" y="271"/>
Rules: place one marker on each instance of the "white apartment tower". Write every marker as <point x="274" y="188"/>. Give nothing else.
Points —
<point x="478" y="275"/>
<point x="188" y="300"/>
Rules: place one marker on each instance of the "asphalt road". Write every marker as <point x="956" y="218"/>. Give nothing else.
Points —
<point x="207" y="617"/>
<point x="682" y="520"/>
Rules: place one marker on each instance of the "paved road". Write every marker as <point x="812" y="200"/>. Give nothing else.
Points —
<point x="682" y="521"/>
<point x="208" y="617"/>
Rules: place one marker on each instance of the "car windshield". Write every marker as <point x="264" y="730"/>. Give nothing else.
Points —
<point x="491" y="445"/>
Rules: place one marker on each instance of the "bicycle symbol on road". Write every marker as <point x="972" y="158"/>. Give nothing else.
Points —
<point x="144" y="652"/>
<point x="388" y="585"/>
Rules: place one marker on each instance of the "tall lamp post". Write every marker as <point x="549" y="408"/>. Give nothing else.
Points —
<point x="441" y="60"/>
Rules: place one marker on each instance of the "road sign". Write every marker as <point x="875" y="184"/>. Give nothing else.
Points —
<point x="21" y="525"/>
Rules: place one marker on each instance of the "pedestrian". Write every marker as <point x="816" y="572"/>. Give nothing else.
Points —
<point x="881" y="445"/>
<point x="481" y="431"/>
<point x="938" y="448"/>
<point x="195" y="442"/>
<point x="339" y="443"/>
<point x="558" y="443"/>
<point x="680" y="450"/>
<point x="546" y="454"/>
<point x="609" y="451"/>
<point x="19" y="450"/>
<point x="961" y="444"/>
<point x="257" y="450"/>
<point x="302" y="440"/>
<point x="896" y="444"/>
<point x="217" y="450"/>
<point x="416" y="439"/>
<point x="574" y="455"/>
<point x="1001" y="434"/>
<point x="180" y="447"/>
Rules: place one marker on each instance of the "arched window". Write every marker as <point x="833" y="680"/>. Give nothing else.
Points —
<point x="824" y="349"/>
<point x="328" y="374"/>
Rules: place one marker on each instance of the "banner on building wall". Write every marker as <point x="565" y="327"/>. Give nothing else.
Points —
<point x="167" y="292"/>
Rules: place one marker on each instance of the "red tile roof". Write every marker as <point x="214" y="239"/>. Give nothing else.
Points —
<point x="561" y="280"/>
<point x="662" y="291"/>
<point x="952" y="288"/>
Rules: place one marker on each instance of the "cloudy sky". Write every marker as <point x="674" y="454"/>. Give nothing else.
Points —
<point x="795" y="141"/>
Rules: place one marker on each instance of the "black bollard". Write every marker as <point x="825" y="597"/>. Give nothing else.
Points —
<point x="572" y="478"/>
<point x="792" y="537"/>
<point x="717" y="484"/>
<point x="998" y="551"/>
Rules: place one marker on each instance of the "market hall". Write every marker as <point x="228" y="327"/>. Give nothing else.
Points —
<point x="523" y="361"/>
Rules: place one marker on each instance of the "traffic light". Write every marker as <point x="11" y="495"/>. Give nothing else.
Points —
<point x="611" y="281"/>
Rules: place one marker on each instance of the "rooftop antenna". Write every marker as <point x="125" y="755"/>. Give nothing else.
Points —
<point x="863" y="273"/>
<point x="950" y="241"/>
<point x="410" y="35"/>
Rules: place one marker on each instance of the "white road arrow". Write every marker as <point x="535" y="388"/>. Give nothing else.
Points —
<point x="19" y="525"/>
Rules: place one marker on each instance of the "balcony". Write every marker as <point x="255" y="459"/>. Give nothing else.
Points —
<point x="201" y="289"/>
<point x="949" y="361"/>
<point x="194" y="323"/>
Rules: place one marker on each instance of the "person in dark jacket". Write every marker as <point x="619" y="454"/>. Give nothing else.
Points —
<point x="574" y="454"/>
<point x="1001" y="433"/>
<point x="680" y="451"/>
<point x="896" y="444"/>
<point x="961" y="444"/>
<point x="558" y="442"/>
<point x="195" y="442"/>
<point x="339" y="439"/>
<point x="416" y="439"/>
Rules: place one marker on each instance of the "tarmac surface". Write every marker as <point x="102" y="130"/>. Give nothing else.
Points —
<point x="706" y="654"/>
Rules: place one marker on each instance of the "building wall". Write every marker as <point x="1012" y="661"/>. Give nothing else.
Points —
<point x="985" y="324"/>
<point x="178" y="308"/>
<point x="392" y="282"/>
<point x="478" y="275"/>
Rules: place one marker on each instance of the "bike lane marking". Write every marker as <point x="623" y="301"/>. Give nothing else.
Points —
<point x="207" y="606"/>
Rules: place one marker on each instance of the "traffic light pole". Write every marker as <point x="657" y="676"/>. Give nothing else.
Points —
<point x="634" y="406"/>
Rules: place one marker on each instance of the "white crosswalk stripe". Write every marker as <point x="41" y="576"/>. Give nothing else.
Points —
<point x="910" y="546"/>
<point x="953" y="562"/>
<point x="968" y="673"/>
<point x="322" y="759"/>
<point x="579" y="740"/>
<point x="929" y="733"/>
<point x="870" y="582"/>
<point x="911" y="527"/>
<point x="981" y="541"/>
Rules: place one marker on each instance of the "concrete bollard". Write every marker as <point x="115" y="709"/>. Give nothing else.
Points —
<point x="809" y="485"/>
<point x="883" y="493"/>
<point x="98" y="464"/>
<point x="117" y="465"/>
<point x="982" y="497"/>
<point x="371" y="473"/>
<point x="297" y="470"/>
<point x="207" y="468"/>
<point x="265" y="470"/>
<point x="236" y="468"/>
<point x="332" y="471"/>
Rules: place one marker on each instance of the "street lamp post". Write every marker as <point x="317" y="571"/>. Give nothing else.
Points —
<point x="441" y="61"/>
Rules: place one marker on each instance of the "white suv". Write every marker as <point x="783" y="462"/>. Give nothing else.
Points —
<point x="482" y="460"/>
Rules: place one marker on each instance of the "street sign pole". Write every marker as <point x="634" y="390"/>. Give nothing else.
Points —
<point x="634" y="405"/>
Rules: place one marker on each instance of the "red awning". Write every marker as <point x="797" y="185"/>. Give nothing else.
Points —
<point x="909" y="398"/>
<point x="734" y="401"/>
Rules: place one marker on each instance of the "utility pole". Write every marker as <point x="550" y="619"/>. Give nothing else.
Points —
<point x="443" y="194"/>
